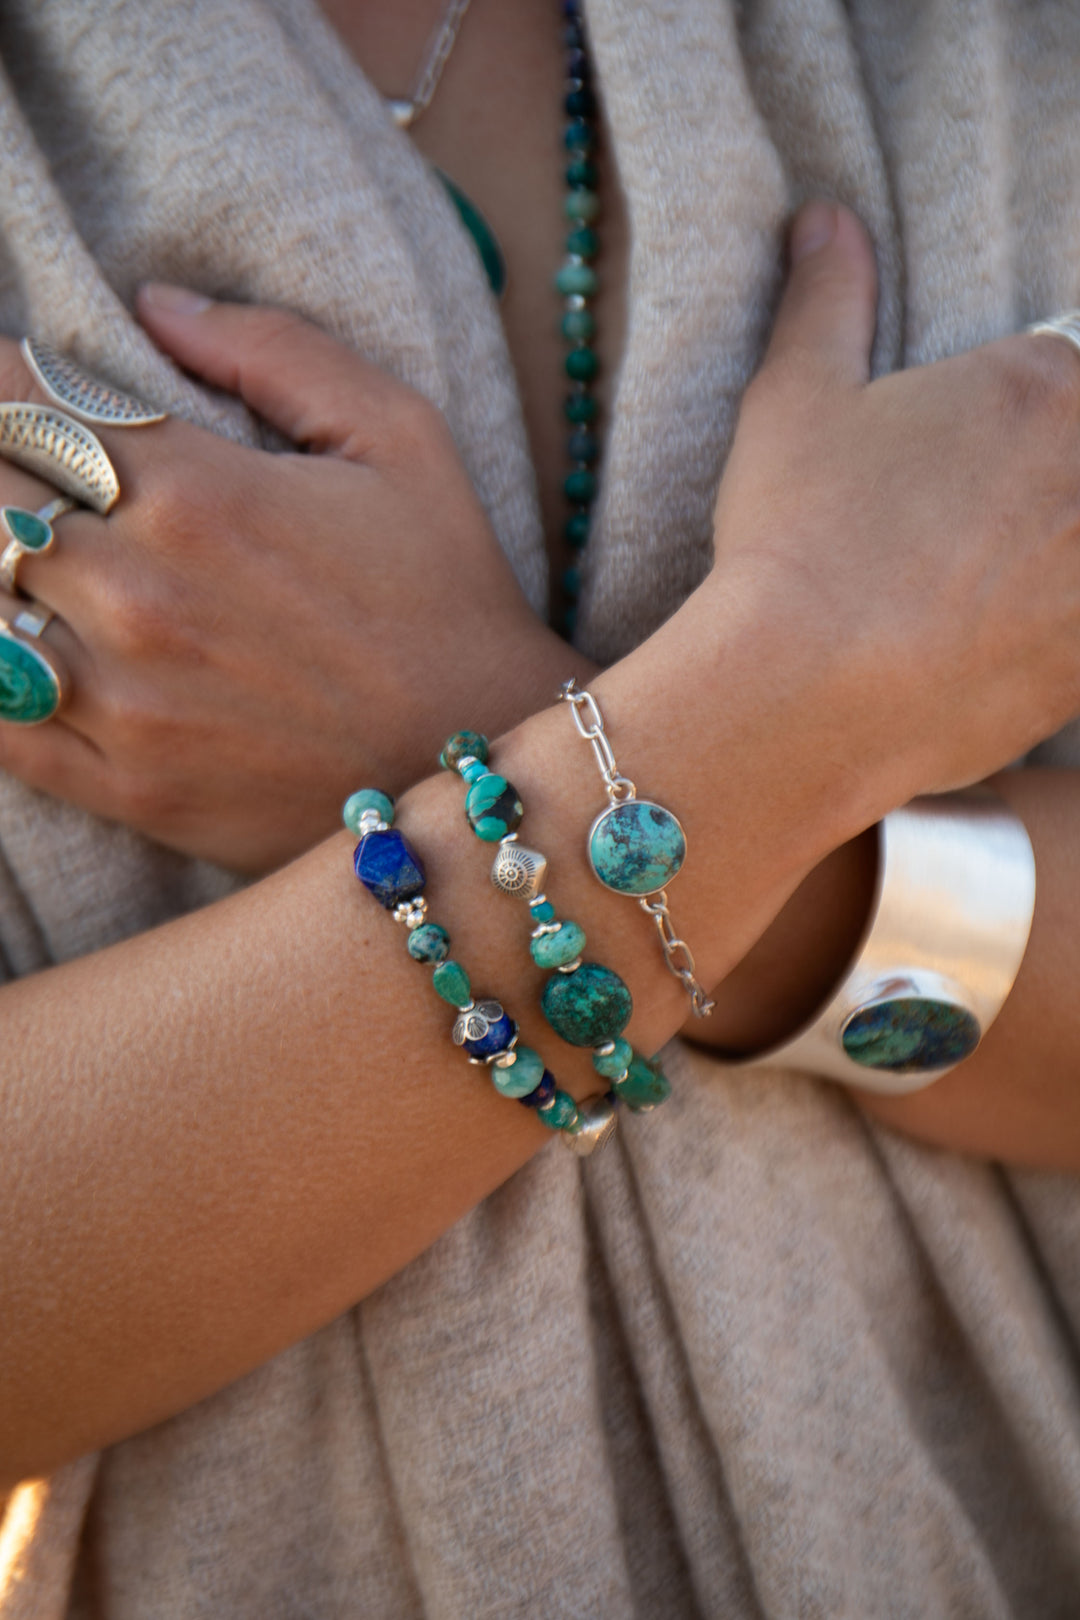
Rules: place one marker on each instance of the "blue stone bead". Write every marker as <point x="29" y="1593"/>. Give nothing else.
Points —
<point x="367" y="799"/>
<point x="389" y="869"/>
<point x="583" y="446"/>
<point x="577" y="281"/>
<point x="581" y="103"/>
<point x="910" y="1034"/>
<point x="580" y="136"/>
<point x="636" y="847"/>
<point x="543" y="1093"/>
<point x="577" y="65"/>
<point x="569" y="621"/>
<point x="498" y="1038"/>
<point x="557" y="949"/>
<point x="573" y="37"/>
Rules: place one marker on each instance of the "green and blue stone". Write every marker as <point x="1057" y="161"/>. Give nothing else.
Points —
<point x="560" y="1113"/>
<point x="555" y="950"/>
<point x="367" y="799"/>
<point x="451" y="982"/>
<point x="428" y="943"/>
<point x="460" y="746"/>
<point x="587" y="1007"/>
<point x="520" y="1077"/>
<point x="636" y="847"/>
<point x="26" y="528"/>
<point x="542" y="911"/>
<point x="613" y="1065"/>
<point x="910" y="1034"/>
<point x="29" y="686"/>
<point x="493" y="808"/>
<point x="645" y="1086"/>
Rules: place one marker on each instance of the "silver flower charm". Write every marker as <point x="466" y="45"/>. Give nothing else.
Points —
<point x="473" y="1023"/>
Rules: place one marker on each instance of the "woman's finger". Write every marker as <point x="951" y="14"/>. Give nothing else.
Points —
<point x="829" y="306"/>
<point x="313" y="389"/>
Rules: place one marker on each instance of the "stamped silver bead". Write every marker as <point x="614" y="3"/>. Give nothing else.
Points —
<point x="596" y="1123"/>
<point x="473" y="1022"/>
<point x="518" y="871"/>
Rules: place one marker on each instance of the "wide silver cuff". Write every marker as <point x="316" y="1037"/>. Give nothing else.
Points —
<point x="949" y="927"/>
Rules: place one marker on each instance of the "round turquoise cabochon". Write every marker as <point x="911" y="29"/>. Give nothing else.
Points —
<point x="29" y="690"/>
<point x="636" y="847"/>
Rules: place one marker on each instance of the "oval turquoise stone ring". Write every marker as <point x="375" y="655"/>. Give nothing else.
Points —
<point x="636" y="847"/>
<point x="30" y="689"/>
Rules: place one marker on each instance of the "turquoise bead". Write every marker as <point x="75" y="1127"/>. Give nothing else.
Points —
<point x="580" y="136"/>
<point x="560" y="1113"/>
<point x="583" y="242"/>
<point x="578" y="325"/>
<point x="581" y="205"/>
<point x="428" y="943"/>
<point x="910" y="1034"/>
<point x="452" y="983"/>
<point x="646" y="1085"/>
<point x="460" y="745"/>
<point x="587" y="1007"/>
<point x="31" y="532"/>
<point x="576" y="531"/>
<point x="580" y="485"/>
<point x="614" y="1065"/>
<point x="577" y="281"/>
<point x="555" y="950"/>
<point x="493" y="808"/>
<point x="472" y="773"/>
<point x="582" y="364"/>
<point x="367" y="799"/>
<point x="542" y="911"/>
<point x="522" y="1076"/>
<point x="29" y="688"/>
<point x="636" y="847"/>
<point x="580" y="172"/>
<point x="581" y="408"/>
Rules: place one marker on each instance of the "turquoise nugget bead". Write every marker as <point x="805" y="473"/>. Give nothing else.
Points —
<point x="587" y="1007"/>
<point x="555" y="950"/>
<point x="493" y="808"/>
<point x="428" y="943"/>
<point x="523" y="1075"/>
<point x="461" y="744"/>
<point x="615" y="1064"/>
<point x="452" y="983"/>
<point x="367" y="799"/>
<point x="560" y="1113"/>
<point x="646" y="1085"/>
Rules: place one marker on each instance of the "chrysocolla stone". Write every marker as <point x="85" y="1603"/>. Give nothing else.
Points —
<point x="452" y="983"/>
<point x="493" y="808"/>
<point x="29" y="689"/>
<point x="520" y="1078"/>
<point x="577" y="281"/>
<point x="428" y="943"/>
<point x="582" y="365"/>
<point x="543" y="1093"/>
<point x="32" y="532"/>
<point x="560" y="1113"/>
<point x="555" y="950"/>
<point x="367" y="799"/>
<point x="500" y="1033"/>
<point x="389" y="869"/>
<point x="460" y="746"/>
<point x="581" y="408"/>
<point x="581" y="206"/>
<point x="910" y="1034"/>
<point x="587" y="1007"/>
<point x="646" y="1085"/>
<point x="636" y="847"/>
<point x="614" y="1064"/>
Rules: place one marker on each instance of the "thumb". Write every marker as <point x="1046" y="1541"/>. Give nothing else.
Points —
<point x="316" y="391"/>
<point x="829" y="305"/>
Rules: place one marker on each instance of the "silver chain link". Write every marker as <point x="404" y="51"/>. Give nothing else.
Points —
<point x="438" y="55"/>
<point x="678" y="957"/>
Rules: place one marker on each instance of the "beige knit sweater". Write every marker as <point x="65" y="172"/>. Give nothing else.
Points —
<point x="760" y="1358"/>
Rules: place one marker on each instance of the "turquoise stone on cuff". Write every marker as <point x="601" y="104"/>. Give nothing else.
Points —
<point x="367" y="799"/>
<point x="555" y="950"/>
<point x="452" y="983"/>
<point x="636" y="847"/>
<point x="493" y="808"/>
<point x="910" y="1034"/>
<point x="460" y="746"/>
<point x="520" y="1078"/>
<point x="612" y="1065"/>
<point x="646" y="1085"/>
<point x="29" y="688"/>
<point x="428" y="943"/>
<point x="587" y="1007"/>
<point x="31" y="532"/>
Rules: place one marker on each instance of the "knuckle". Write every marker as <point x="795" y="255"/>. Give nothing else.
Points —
<point x="1038" y="380"/>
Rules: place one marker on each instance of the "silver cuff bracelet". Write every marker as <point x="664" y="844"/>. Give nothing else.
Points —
<point x="950" y="924"/>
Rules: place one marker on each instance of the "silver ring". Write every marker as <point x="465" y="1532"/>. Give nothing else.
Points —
<point x="1066" y="325"/>
<point x="29" y="534"/>
<point x="32" y="686"/>
<point x="83" y="395"/>
<point x="46" y="441"/>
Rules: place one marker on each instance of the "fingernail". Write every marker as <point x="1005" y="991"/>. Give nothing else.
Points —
<point x="814" y="227"/>
<point x="173" y="300"/>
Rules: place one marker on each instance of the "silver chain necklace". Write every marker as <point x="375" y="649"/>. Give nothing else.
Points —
<point x="405" y="110"/>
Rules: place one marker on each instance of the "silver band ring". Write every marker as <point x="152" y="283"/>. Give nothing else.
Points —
<point x="81" y="394"/>
<point x="67" y="455"/>
<point x="28" y="534"/>
<point x="32" y="686"/>
<point x="1066" y="325"/>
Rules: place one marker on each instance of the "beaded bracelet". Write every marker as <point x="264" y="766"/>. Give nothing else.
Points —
<point x="390" y="869"/>
<point x="585" y="1003"/>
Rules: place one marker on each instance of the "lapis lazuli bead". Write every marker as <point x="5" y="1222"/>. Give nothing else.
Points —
<point x="389" y="868"/>
<point x="636" y="847"/>
<point x="499" y="1035"/>
<point x="543" y="1093"/>
<point x="910" y="1035"/>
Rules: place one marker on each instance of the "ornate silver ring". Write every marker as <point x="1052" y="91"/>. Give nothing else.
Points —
<point x="49" y="443"/>
<point x="83" y="395"/>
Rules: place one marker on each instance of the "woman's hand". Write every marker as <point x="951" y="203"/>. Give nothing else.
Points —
<point x="252" y="636"/>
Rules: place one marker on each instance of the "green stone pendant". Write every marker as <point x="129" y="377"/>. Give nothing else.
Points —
<point x="26" y="528"/>
<point x="484" y="238"/>
<point x="29" y="688"/>
<point x="636" y="847"/>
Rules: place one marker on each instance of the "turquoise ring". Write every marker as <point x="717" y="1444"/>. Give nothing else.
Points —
<point x="32" y="687"/>
<point x="27" y="534"/>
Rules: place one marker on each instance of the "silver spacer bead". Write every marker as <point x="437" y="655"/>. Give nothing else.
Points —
<point x="576" y="301"/>
<point x="545" y="928"/>
<point x="517" y="870"/>
<point x="597" y="1121"/>
<point x="605" y="1049"/>
<point x="371" y="821"/>
<point x="411" y="912"/>
<point x="570" y="967"/>
<point x="466" y="760"/>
